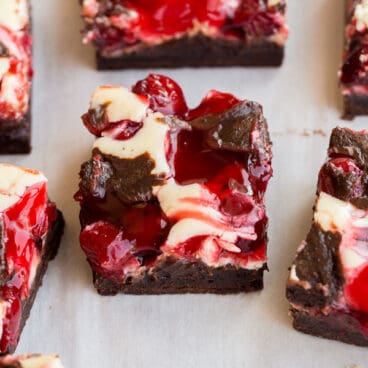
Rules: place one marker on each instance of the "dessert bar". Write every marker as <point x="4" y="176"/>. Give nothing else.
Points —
<point x="354" y="71"/>
<point x="15" y="77"/>
<point x="327" y="287"/>
<point x="30" y="228"/>
<point x="158" y="33"/>
<point x="172" y="199"/>
<point x="31" y="361"/>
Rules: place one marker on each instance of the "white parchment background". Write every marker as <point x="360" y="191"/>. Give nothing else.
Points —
<point x="185" y="331"/>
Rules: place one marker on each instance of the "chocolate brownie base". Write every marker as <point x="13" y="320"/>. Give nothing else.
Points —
<point x="355" y="105"/>
<point x="197" y="51"/>
<point x="52" y="245"/>
<point x="178" y="277"/>
<point x="15" y="135"/>
<point x="336" y="326"/>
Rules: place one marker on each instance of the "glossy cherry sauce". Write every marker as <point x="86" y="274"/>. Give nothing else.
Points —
<point x="25" y="223"/>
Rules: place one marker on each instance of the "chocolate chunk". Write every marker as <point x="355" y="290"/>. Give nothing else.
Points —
<point x="96" y="120"/>
<point x="318" y="262"/>
<point x="351" y="144"/>
<point x="94" y="176"/>
<point x="345" y="186"/>
<point x="233" y="129"/>
<point x="132" y="180"/>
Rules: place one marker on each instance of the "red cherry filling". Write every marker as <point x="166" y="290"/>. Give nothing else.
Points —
<point x="163" y="93"/>
<point x="214" y="102"/>
<point x="106" y="248"/>
<point x="97" y="122"/>
<point x="356" y="293"/>
<point x="24" y="225"/>
<point x="133" y="242"/>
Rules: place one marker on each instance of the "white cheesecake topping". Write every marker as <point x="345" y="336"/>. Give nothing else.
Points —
<point x="271" y="3"/>
<point x="339" y="216"/>
<point x="41" y="361"/>
<point x="14" y="181"/>
<point x="14" y="14"/>
<point x="361" y="15"/>
<point x="33" y="361"/>
<point x="120" y="103"/>
<point x="90" y="8"/>
<point x="197" y="211"/>
<point x="151" y="139"/>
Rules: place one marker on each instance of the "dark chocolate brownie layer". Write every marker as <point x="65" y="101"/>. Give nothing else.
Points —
<point x="317" y="264"/>
<point x="51" y="248"/>
<point x="197" y="51"/>
<point x="173" y="276"/>
<point x="335" y="326"/>
<point x="15" y="135"/>
<point x="355" y="105"/>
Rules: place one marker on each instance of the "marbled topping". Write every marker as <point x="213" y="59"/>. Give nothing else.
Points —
<point x="115" y="25"/>
<point x="25" y="217"/>
<point x="15" y="59"/>
<point x="188" y="183"/>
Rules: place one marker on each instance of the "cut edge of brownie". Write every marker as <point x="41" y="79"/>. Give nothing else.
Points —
<point x="338" y="326"/>
<point x="355" y="105"/>
<point x="196" y="52"/>
<point x="51" y="248"/>
<point x="15" y="135"/>
<point x="173" y="276"/>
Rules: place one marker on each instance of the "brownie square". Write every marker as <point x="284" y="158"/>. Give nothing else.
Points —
<point x="172" y="200"/>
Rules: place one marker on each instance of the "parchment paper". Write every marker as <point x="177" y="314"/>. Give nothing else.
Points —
<point x="301" y="102"/>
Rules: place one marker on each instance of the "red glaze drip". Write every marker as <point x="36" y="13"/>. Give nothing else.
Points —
<point x="25" y="223"/>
